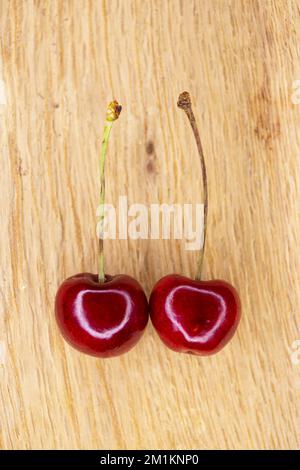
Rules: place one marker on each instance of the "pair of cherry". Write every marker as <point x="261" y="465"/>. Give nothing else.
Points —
<point x="105" y="316"/>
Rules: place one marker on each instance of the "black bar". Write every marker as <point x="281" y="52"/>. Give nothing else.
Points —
<point x="134" y="459"/>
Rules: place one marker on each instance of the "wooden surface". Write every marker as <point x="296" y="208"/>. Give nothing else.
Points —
<point x="61" y="62"/>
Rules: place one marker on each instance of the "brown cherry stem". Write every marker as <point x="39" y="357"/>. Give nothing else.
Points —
<point x="184" y="102"/>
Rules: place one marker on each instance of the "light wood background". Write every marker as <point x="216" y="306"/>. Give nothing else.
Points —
<point x="61" y="62"/>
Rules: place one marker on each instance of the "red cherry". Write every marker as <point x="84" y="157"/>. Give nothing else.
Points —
<point x="197" y="317"/>
<point x="101" y="319"/>
<point x="102" y="315"/>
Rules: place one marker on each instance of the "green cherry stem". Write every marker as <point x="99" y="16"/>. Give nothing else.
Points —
<point x="112" y="114"/>
<point x="184" y="102"/>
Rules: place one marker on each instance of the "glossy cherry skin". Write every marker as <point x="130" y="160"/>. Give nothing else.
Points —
<point x="101" y="319"/>
<point x="197" y="317"/>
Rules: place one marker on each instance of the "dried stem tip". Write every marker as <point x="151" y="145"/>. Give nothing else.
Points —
<point x="113" y="111"/>
<point x="184" y="100"/>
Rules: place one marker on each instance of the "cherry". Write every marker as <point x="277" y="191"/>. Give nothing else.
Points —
<point x="101" y="319"/>
<point x="99" y="314"/>
<point x="197" y="317"/>
<point x="194" y="316"/>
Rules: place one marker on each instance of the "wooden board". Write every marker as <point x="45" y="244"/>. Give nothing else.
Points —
<point x="61" y="62"/>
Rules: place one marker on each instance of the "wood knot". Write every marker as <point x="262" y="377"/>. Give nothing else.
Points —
<point x="150" y="147"/>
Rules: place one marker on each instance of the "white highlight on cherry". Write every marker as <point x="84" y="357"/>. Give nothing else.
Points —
<point x="172" y="316"/>
<point x="105" y="333"/>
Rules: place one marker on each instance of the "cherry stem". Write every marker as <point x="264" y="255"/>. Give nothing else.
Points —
<point x="112" y="114"/>
<point x="184" y="102"/>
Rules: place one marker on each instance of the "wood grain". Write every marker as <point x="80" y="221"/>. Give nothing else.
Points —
<point x="61" y="62"/>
